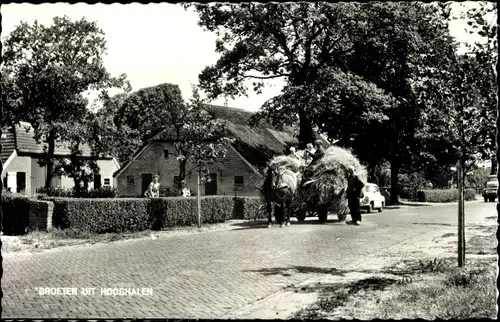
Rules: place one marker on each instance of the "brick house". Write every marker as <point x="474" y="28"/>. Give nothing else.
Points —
<point x="22" y="173"/>
<point x="237" y="173"/>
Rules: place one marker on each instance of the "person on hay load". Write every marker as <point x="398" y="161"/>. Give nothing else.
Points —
<point x="318" y="154"/>
<point x="293" y="153"/>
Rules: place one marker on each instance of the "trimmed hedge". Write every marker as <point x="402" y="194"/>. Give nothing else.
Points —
<point x="15" y="209"/>
<point x="248" y="208"/>
<point x="102" y="215"/>
<point x="447" y="195"/>
<point x="136" y="214"/>
<point x="181" y="211"/>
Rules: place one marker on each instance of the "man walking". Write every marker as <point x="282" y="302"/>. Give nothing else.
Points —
<point x="354" y="190"/>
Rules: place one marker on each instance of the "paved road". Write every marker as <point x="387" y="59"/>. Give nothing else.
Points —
<point x="208" y="275"/>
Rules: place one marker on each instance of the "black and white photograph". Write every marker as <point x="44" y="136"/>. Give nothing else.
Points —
<point x="251" y="160"/>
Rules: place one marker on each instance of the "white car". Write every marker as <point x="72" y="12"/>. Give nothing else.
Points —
<point x="372" y="198"/>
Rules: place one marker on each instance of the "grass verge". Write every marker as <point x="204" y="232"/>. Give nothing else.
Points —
<point x="37" y="241"/>
<point x="419" y="289"/>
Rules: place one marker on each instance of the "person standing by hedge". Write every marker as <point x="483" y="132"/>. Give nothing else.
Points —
<point x="354" y="193"/>
<point x="154" y="188"/>
<point x="185" y="190"/>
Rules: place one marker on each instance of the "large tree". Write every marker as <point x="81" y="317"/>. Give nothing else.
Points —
<point x="292" y="41"/>
<point x="460" y="113"/>
<point x="52" y="67"/>
<point x="200" y="139"/>
<point x="347" y="68"/>
<point x="148" y="110"/>
<point x="119" y="138"/>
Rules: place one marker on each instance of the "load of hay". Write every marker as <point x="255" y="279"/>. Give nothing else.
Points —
<point x="331" y="179"/>
<point x="330" y="173"/>
<point x="288" y="161"/>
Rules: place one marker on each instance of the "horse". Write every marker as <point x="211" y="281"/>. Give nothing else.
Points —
<point x="284" y="184"/>
<point x="269" y="196"/>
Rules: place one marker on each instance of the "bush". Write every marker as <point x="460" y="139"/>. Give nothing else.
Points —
<point x="102" y="215"/>
<point x="103" y="192"/>
<point x="15" y="209"/>
<point x="169" y="192"/>
<point x="410" y="184"/>
<point x="448" y="195"/>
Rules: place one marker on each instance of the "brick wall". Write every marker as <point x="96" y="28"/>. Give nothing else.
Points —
<point x="40" y="216"/>
<point x="153" y="161"/>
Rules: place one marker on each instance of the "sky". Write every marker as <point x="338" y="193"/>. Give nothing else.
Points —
<point x="156" y="43"/>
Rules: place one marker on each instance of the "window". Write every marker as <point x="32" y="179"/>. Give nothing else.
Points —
<point x="165" y="154"/>
<point x="106" y="182"/>
<point x="238" y="180"/>
<point x="130" y="179"/>
<point x="369" y="188"/>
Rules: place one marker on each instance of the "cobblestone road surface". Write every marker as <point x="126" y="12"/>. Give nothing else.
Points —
<point x="207" y="275"/>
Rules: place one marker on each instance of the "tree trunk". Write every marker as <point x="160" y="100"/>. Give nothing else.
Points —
<point x="198" y="199"/>
<point x="1" y="170"/>
<point x="494" y="166"/>
<point x="372" y="174"/>
<point x="77" y="186"/>
<point x="306" y="134"/>
<point x="461" y="214"/>
<point x="50" y="159"/>
<point x="497" y="159"/>
<point x="182" y="175"/>
<point x="395" y="167"/>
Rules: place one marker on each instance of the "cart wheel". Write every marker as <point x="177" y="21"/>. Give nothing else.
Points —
<point x="301" y="215"/>
<point x="322" y="216"/>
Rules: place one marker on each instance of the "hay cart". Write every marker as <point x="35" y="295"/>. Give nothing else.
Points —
<point x="307" y="205"/>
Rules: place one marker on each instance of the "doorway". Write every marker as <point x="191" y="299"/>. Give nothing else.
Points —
<point x="21" y="181"/>
<point x="146" y="180"/>
<point x="211" y="187"/>
<point x="97" y="181"/>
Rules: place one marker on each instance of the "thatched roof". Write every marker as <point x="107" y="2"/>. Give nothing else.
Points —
<point x="256" y="143"/>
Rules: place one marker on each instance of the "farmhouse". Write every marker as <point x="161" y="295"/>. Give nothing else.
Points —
<point x="21" y="171"/>
<point x="237" y="173"/>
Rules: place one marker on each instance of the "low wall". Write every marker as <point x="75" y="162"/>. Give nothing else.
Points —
<point x="40" y="215"/>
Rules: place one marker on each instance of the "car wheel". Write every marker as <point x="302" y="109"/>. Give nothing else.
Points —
<point x="486" y="199"/>
<point x="369" y="208"/>
<point x="322" y="216"/>
<point x="301" y="215"/>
